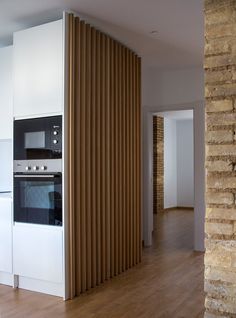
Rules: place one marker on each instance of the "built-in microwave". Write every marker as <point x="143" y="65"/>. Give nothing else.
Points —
<point x="38" y="138"/>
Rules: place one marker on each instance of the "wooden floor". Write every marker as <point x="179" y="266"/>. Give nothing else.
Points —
<point x="168" y="283"/>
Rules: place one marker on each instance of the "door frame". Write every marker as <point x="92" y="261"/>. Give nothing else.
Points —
<point x="199" y="169"/>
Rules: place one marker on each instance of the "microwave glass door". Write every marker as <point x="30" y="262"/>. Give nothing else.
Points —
<point x="38" y="199"/>
<point x="35" y="140"/>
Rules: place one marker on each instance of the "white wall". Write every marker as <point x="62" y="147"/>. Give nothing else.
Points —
<point x="178" y="163"/>
<point x="185" y="163"/>
<point x="170" y="164"/>
<point x="163" y="87"/>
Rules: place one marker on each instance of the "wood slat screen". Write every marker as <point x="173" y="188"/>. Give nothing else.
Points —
<point x="104" y="164"/>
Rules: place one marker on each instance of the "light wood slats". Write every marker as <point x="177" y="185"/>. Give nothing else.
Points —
<point x="119" y="156"/>
<point x="124" y="170"/>
<point x="131" y="160"/>
<point x="135" y="162"/>
<point x="117" y="227"/>
<point x="128" y="229"/>
<point x="138" y="134"/>
<point x="103" y="156"/>
<point x="77" y="167"/>
<point x="112" y="155"/>
<point x="88" y="155"/>
<point x="104" y="129"/>
<point x="83" y="163"/>
<point x="71" y="148"/>
<point x="93" y="156"/>
<point x="107" y="163"/>
<point x="98" y="157"/>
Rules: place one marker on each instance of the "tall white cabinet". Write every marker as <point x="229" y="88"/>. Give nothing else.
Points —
<point x="31" y="85"/>
<point x="38" y="70"/>
<point x="6" y="92"/>
<point x="38" y="255"/>
<point x="6" y="170"/>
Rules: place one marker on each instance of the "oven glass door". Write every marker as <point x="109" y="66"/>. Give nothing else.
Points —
<point x="38" y="199"/>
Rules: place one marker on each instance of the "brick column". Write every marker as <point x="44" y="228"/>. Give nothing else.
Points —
<point x="158" y="164"/>
<point x="220" y="93"/>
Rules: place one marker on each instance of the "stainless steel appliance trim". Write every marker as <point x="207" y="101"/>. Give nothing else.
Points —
<point x="50" y="165"/>
<point x="35" y="176"/>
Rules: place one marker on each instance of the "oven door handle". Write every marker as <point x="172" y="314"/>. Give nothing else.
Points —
<point x="36" y="176"/>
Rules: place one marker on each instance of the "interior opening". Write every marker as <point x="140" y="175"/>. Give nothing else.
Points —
<point x="173" y="176"/>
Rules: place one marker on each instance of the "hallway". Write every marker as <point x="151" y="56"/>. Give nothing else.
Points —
<point x="168" y="283"/>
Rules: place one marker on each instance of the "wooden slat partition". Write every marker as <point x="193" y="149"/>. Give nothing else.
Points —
<point x="104" y="165"/>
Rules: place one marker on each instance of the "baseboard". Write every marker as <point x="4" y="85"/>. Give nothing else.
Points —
<point x="185" y="207"/>
<point x="179" y="208"/>
<point x="169" y="209"/>
<point x="41" y="286"/>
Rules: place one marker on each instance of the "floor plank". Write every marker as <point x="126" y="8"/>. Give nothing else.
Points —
<point x="168" y="283"/>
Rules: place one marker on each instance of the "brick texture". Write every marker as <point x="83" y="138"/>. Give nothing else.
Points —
<point x="220" y="94"/>
<point x="158" y="164"/>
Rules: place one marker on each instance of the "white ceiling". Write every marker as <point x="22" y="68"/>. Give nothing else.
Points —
<point x="177" y="115"/>
<point x="180" y="24"/>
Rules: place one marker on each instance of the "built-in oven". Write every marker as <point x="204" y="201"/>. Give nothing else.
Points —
<point x="38" y="170"/>
<point x="38" y="198"/>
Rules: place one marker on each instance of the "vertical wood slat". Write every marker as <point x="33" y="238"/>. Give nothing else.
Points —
<point x="70" y="96"/>
<point x="107" y="167"/>
<point x="82" y="123"/>
<point x="128" y="157"/>
<point x="117" y="228"/>
<point x="138" y="133"/>
<point x="120" y="151"/>
<point x="106" y="128"/>
<point x="112" y="159"/>
<point x="93" y="157"/>
<point x="124" y="170"/>
<point x="135" y="159"/>
<point x="98" y="183"/>
<point x="77" y="167"/>
<point x="130" y="162"/>
<point x="88" y="155"/>
<point x="103" y="158"/>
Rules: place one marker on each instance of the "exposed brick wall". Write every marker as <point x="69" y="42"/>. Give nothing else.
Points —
<point x="220" y="93"/>
<point x="158" y="164"/>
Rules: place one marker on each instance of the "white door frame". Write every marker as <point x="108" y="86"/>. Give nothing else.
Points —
<point x="199" y="170"/>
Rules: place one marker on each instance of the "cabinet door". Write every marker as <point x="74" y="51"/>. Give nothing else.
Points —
<point x="6" y="93"/>
<point x="38" y="252"/>
<point x="5" y="235"/>
<point x="38" y="70"/>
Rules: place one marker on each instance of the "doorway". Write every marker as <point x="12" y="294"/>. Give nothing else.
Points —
<point x="173" y="160"/>
<point x="199" y="175"/>
<point x="173" y="177"/>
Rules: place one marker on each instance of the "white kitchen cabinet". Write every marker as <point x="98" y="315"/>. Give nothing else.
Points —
<point x="37" y="252"/>
<point x="38" y="70"/>
<point x="5" y="234"/>
<point x="6" y="93"/>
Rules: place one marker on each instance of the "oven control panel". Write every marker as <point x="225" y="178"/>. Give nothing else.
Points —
<point x="37" y="166"/>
